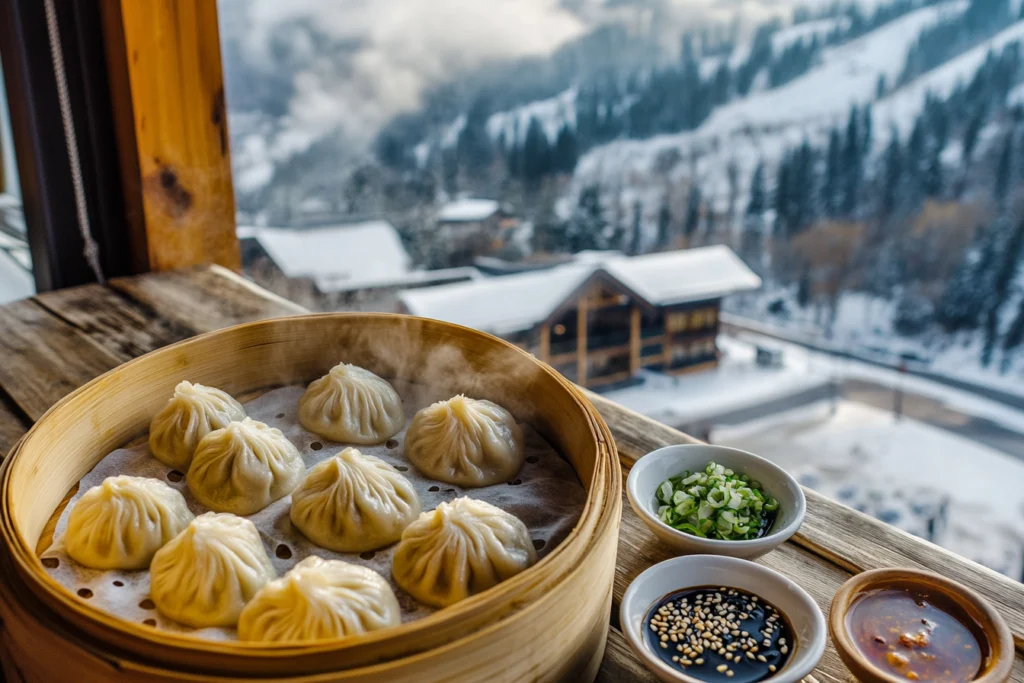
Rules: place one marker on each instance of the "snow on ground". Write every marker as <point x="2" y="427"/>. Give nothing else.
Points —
<point x="897" y="469"/>
<point x="737" y="383"/>
<point x="762" y="126"/>
<point x="862" y="326"/>
<point x="901" y="107"/>
<point x="552" y="114"/>
<point x="806" y="31"/>
<point x="844" y="368"/>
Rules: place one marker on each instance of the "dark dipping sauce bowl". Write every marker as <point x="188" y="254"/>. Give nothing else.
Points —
<point x="899" y="625"/>
<point x="719" y="634"/>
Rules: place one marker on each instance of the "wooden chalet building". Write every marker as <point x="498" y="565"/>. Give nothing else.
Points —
<point x="601" y="320"/>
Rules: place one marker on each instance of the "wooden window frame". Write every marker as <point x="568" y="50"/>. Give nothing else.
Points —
<point x="146" y="92"/>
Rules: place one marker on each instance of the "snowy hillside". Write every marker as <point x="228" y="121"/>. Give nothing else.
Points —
<point x="762" y="126"/>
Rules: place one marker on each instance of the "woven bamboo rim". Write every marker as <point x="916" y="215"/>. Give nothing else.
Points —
<point x="116" y="407"/>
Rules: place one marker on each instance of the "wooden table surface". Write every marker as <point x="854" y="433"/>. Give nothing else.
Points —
<point x="55" y="342"/>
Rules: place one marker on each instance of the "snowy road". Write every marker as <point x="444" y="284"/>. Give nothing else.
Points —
<point x="921" y="408"/>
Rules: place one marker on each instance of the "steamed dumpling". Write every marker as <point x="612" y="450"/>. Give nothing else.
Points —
<point x="351" y="405"/>
<point x="121" y="523"/>
<point x="320" y="599"/>
<point x="207" y="573"/>
<point x="354" y="502"/>
<point x="244" y="467"/>
<point x="460" y="549"/>
<point x="193" y="412"/>
<point x="465" y="442"/>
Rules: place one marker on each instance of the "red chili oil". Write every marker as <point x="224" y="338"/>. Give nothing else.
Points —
<point x="760" y="630"/>
<point x="916" y="635"/>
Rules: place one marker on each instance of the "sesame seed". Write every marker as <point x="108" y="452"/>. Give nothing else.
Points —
<point x="771" y="667"/>
<point x="729" y="673"/>
<point x="762" y="658"/>
<point x="721" y="668"/>
<point x="783" y="649"/>
<point x="699" y="661"/>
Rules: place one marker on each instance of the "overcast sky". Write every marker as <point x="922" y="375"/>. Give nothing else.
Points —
<point x="395" y="49"/>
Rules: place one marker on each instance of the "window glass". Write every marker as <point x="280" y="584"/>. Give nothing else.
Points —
<point x="842" y="180"/>
<point x="15" y="262"/>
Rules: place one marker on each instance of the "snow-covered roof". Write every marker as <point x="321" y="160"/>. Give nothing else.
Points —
<point x="352" y="253"/>
<point x="674" y="277"/>
<point x="513" y="303"/>
<point x="468" y="210"/>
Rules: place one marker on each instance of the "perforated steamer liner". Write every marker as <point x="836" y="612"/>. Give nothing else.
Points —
<point x="546" y="623"/>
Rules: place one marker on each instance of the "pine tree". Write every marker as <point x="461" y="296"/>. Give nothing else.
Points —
<point x="803" y="291"/>
<point x="970" y="139"/>
<point x="967" y="293"/>
<point x="852" y="168"/>
<point x="473" y="146"/>
<point x="831" y="194"/>
<point x="866" y="131"/>
<point x="1005" y="273"/>
<point x="1014" y="336"/>
<point x="565" y="154"/>
<point x="664" y="224"/>
<point x="636" y="238"/>
<point x="783" y="221"/>
<point x="536" y="154"/>
<point x="893" y="176"/>
<point x="753" y="224"/>
<point x="586" y="228"/>
<point x="1004" y="171"/>
<point x="693" y="202"/>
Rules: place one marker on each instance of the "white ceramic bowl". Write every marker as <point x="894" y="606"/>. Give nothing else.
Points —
<point x="694" y="571"/>
<point x="649" y="471"/>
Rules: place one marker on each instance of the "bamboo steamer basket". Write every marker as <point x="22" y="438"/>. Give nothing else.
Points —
<point x="547" y="623"/>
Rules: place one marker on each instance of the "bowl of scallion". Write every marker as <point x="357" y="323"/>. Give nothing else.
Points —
<point x="713" y="499"/>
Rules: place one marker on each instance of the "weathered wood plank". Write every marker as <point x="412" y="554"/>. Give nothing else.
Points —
<point x="13" y="425"/>
<point x="639" y="549"/>
<point x="171" y="52"/>
<point x="204" y="298"/>
<point x="122" y="326"/>
<point x="45" y="357"/>
<point x="620" y="665"/>
<point x="840" y="534"/>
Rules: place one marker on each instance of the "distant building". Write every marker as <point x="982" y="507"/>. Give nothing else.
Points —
<point x="350" y="265"/>
<point x="473" y="227"/>
<point x="600" y="320"/>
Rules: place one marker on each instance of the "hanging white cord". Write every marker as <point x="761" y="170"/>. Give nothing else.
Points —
<point x="92" y="250"/>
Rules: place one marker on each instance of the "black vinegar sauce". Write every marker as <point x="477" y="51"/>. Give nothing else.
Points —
<point x="756" y="649"/>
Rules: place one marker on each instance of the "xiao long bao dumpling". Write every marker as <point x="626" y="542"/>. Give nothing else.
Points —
<point x="193" y="412"/>
<point x="207" y="573"/>
<point x="465" y="442"/>
<point x="460" y="549"/>
<point x="352" y="405"/>
<point x="121" y="523"/>
<point x="244" y="467"/>
<point x="354" y="502"/>
<point x="320" y="599"/>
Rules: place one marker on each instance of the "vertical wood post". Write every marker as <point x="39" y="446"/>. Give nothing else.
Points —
<point x="545" y="342"/>
<point x="581" y="342"/>
<point x="173" y="62"/>
<point x="634" y="341"/>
